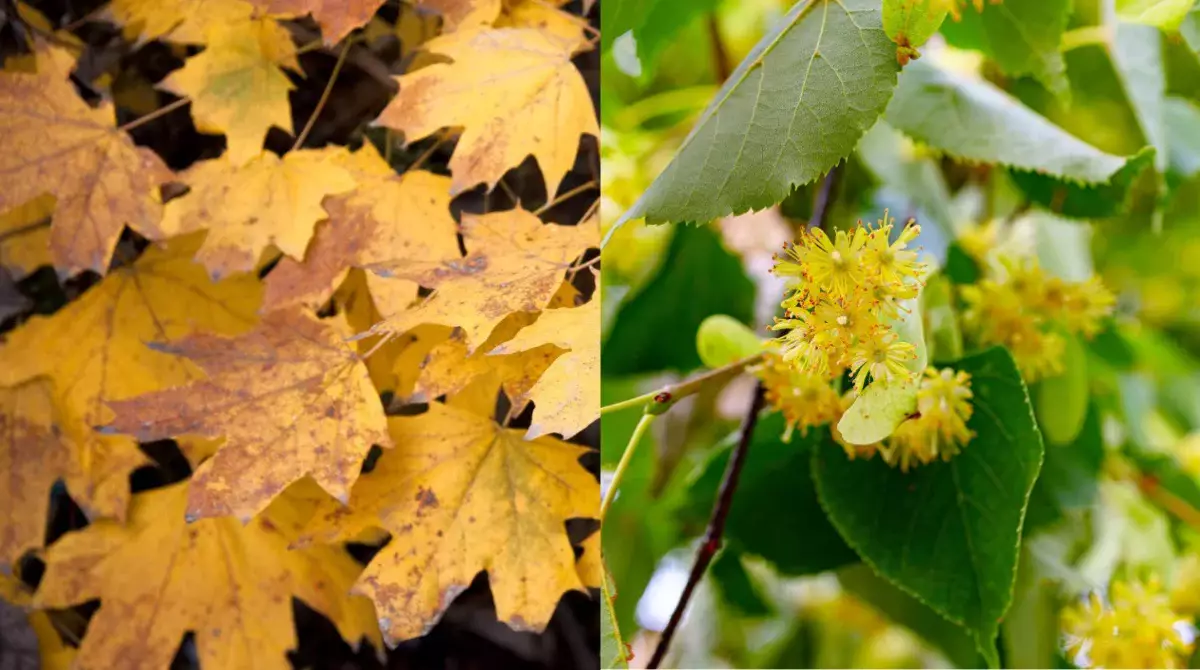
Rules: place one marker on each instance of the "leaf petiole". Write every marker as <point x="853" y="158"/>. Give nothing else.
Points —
<point x="657" y="402"/>
<point x="626" y="457"/>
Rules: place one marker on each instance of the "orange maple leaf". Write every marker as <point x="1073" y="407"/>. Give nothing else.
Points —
<point x="515" y="93"/>
<point x="33" y="454"/>
<point x="461" y="494"/>
<point x="52" y="142"/>
<point x="292" y="398"/>
<point x="336" y="17"/>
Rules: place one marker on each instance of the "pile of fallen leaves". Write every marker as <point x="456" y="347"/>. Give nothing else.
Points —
<point x="298" y="306"/>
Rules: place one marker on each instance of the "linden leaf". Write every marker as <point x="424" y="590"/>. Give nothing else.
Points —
<point x="515" y="93"/>
<point x="389" y="218"/>
<point x="159" y="577"/>
<point x="460" y="495"/>
<point x="33" y="455"/>
<point x="269" y="200"/>
<point x="24" y="240"/>
<point x="463" y="13"/>
<point x="567" y="396"/>
<point x="95" y="351"/>
<point x="52" y="142"/>
<point x="515" y="263"/>
<point x="336" y="17"/>
<point x="236" y="85"/>
<point x="291" y="397"/>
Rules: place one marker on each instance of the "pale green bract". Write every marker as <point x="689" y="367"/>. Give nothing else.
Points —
<point x="793" y="109"/>
<point x="877" y="412"/>
<point x="975" y="121"/>
<point x="722" y="339"/>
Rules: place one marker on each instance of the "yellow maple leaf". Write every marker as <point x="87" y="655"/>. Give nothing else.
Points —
<point x="513" y="91"/>
<point x="546" y="16"/>
<point x="336" y="17"/>
<point x="567" y="396"/>
<point x="95" y="349"/>
<point x="52" y="653"/>
<point x="177" y="20"/>
<point x="515" y="263"/>
<point x="52" y="142"/>
<point x="590" y="565"/>
<point x="460" y="495"/>
<point x="159" y="577"/>
<point x="463" y="13"/>
<point x="236" y="84"/>
<point x="292" y="398"/>
<point x="389" y="218"/>
<point x="24" y="240"/>
<point x="32" y="456"/>
<point x="269" y="200"/>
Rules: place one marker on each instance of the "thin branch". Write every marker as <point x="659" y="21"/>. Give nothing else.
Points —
<point x="1172" y="503"/>
<point x="312" y="118"/>
<point x="610" y="495"/>
<point x="27" y="228"/>
<point x="591" y="185"/>
<point x="442" y="136"/>
<point x="824" y="198"/>
<point x="161" y="111"/>
<point x="720" y="55"/>
<point x="657" y="402"/>
<point x="716" y="524"/>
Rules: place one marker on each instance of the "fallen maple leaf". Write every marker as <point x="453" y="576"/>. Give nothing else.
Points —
<point x="269" y="200"/>
<point x="515" y="93"/>
<point x="567" y="396"/>
<point x="95" y="351"/>
<point x="336" y="17"/>
<point x="515" y="263"/>
<point x="236" y="84"/>
<point x="291" y="397"/>
<point x="52" y="142"/>
<point x="24" y="240"/>
<point x="461" y="494"/>
<point x="389" y="218"/>
<point x="177" y="20"/>
<point x="159" y="577"/>
<point x="590" y="565"/>
<point x="33" y="455"/>
<point x="544" y="15"/>
<point x="463" y="13"/>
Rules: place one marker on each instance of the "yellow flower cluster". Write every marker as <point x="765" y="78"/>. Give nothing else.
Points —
<point x="939" y="429"/>
<point x="804" y="399"/>
<point x="844" y="290"/>
<point x="1134" y="629"/>
<point x="1022" y="309"/>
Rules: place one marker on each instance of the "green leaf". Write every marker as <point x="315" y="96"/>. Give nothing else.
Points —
<point x="722" y="339"/>
<point x="960" y="267"/>
<point x="793" y="109"/>
<point x="1190" y="29"/>
<point x="1165" y="14"/>
<point x="1061" y="401"/>
<point x="1182" y="119"/>
<point x="943" y="334"/>
<point x="1067" y="483"/>
<point x="1085" y="201"/>
<point x="886" y="154"/>
<point x="612" y="647"/>
<point x="949" y="532"/>
<point x="1021" y="37"/>
<point x="735" y="586"/>
<point x="653" y="22"/>
<point x="775" y="514"/>
<point x="975" y="121"/>
<point x="1137" y="56"/>
<point x="698" y="278"/>
<point x="953" y="641"/>
<point x="910" y="23"/>
<point x="876" y="413"/>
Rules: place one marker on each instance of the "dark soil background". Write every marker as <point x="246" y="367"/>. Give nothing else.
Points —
<point x="468" y="636"/>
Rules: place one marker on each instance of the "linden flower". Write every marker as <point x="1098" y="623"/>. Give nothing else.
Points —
<point x="882" y="355"/>
<point x="805" y="400"/>
<point x="835" y="266"/>
<point x="1136" y="629"/>
<point x="892" y="263"/>
<point x="1185" y="591"/>
<point x="939" y="429"/>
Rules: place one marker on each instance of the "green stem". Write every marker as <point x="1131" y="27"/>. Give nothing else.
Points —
<point x="619" y="474"/>
<point x="657" y="402"/>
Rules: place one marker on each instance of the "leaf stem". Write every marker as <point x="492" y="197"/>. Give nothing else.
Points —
<point x="1172" y="503"/>
<point x="312" y="118"/>
<point x="657" y="402"/>
<point x="716" y="524"/>
<point x="141" y="120"/>
<point x="569" y="194"/>
<point x="611" y="494"/>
